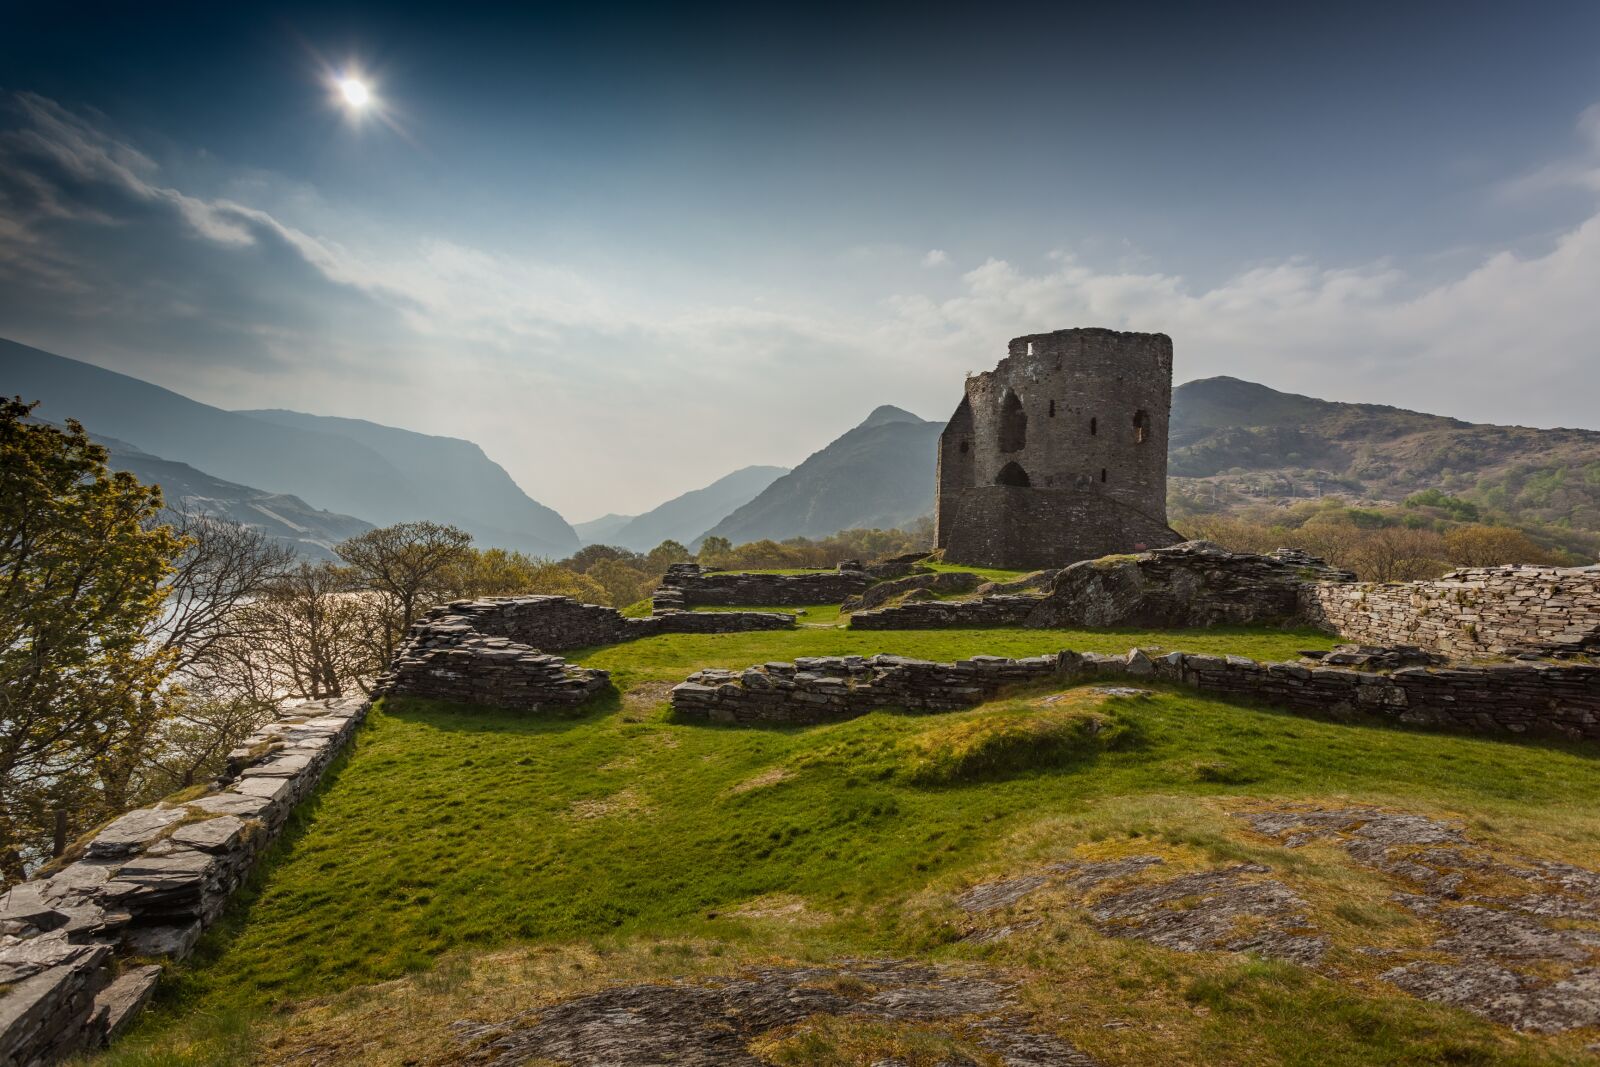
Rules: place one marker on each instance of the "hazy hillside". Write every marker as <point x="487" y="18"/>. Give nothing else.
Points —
<point x="600" y="531"/>
<point x="325" y="465"/>
<point x="452" y="479"/>
<point x="683" y="518"/>
<point x="312" y="533"/>
<point x="1237" y="439"/>
<point x="880" y="474"/>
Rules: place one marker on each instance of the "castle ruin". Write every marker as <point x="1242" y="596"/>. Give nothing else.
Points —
<point x="1059" y="454"/>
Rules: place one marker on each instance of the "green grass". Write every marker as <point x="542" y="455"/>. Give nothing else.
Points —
<point x="450" y="836"/>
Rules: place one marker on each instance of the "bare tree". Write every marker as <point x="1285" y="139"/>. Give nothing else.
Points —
<point x="309" y="632"/>
<point x="409" y="564"/>
<point x="225" y="566"/>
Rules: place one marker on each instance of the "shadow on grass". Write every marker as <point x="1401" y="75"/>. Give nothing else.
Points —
<point x="486" y="718"/>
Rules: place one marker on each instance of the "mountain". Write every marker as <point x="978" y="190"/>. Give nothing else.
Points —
<point x="311" y="533"/>
<point x="880" y="474"/>
<point x="326" y="463"/>
<point x="600" y="531"/>
<point x="684" y="517"/>
<point x="1232" y="437"/>
<point x="452" y="479"/>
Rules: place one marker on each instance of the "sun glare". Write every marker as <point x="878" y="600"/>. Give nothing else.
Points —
<point x="355" y="92"/>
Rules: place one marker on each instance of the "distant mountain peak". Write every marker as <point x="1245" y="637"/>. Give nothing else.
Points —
<point x="885" y="413"/>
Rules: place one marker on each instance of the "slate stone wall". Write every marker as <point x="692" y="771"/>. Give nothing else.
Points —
<point x="1060" y="453"/>
<point x="686" y="585"/>
<point x="1481" y="611"/>
<point x="148" y="884"/>
<point x="497" y="651"/>
<point x="1520" y="698"/>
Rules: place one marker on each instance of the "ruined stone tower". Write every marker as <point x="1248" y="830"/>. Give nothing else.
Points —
<point x="1060" y="453"/>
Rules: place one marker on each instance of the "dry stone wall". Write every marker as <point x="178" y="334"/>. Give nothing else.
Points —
<point x="147" y="885"/>
<point x="1515" y="698"/>
<point x="687" y="585"/>
<point x="1472" y="612"/>
<point x="497" y="650"/>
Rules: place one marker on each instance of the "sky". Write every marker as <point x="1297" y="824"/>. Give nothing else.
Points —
<point x="628" y="249"/>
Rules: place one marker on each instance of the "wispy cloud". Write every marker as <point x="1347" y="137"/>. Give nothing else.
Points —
<point x="105" y="256"/>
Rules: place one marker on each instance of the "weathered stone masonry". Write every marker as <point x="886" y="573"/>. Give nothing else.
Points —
<point x="1471" y="612"/>
<point x="496" y="651"/>
<point x="148" y="885"/>
<point x="1522" y="698"/>
<point x="1059" y="454"/>
<point x="686" y="585"/>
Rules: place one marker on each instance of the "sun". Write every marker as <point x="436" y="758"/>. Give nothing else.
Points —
<point x="355" y="92"/>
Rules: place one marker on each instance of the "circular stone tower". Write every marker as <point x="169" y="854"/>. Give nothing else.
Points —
<point x="1059" y="454"/>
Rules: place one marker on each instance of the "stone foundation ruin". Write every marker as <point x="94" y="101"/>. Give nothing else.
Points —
<point x="1511" y="698"/>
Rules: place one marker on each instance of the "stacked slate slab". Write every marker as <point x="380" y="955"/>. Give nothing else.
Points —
<point x="1548" y="699"/>
<point x="686" y="585"/>
<point x="147" y="885"/>
<point x="498" y="650"/>
<point x="1551" y="611"/>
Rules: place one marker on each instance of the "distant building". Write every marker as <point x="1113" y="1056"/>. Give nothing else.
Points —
<point x="1060" y="453"/>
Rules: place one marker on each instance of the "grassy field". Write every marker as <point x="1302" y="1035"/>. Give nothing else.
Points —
<point x="470" y="862"/>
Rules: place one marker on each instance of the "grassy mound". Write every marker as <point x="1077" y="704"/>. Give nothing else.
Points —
<point x="989" y="745"/>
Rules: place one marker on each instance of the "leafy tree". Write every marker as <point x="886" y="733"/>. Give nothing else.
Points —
<point x="665" y="554"/>
<point x="586" y="557"/>
<point x="714" y="552"/>
<point x="81" y="567"/>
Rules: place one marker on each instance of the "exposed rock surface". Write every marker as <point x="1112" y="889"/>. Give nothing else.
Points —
<point x="932" y="581"/>
<point x="1516" y="698"/>
<point x="148" y="884"/>
<point x="1510" y="929"/>
<point x="1191" y="584"/>
<point x="712" y="1022"/>
<point x="1230" y="908"/>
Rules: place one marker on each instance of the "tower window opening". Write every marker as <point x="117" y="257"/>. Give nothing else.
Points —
<point x="1102" y="474"/>
<point x="1013" y="424"/>
<point x="1141" y="426"/>
<point x="1094" y="426"/>
<point x="1052" y="409"/>
<point x="1012" y="474"/>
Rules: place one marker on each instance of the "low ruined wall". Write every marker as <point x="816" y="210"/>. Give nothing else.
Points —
<point x="1472" y="612"/>
<point x="933" y="581"/>
<point x="996" y="610"/>
<point x="721" y="622"/>
<point x="496" y="651"/>
<point x="686" y="585"/>
<point x="147" y="885"/>
<point x="1520" y="698"/>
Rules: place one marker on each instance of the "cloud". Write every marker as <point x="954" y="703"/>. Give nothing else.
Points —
<point x="104" y="256"/>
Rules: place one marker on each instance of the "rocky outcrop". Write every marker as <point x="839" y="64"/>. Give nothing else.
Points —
<point x="1513" y="698"/>
<point x="1483" y="611"/>
<point x="931" y="581"/>
<point x="720" y="1021"/>
<point x="147" y="885"/>
<point x="1188" y="585"/>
